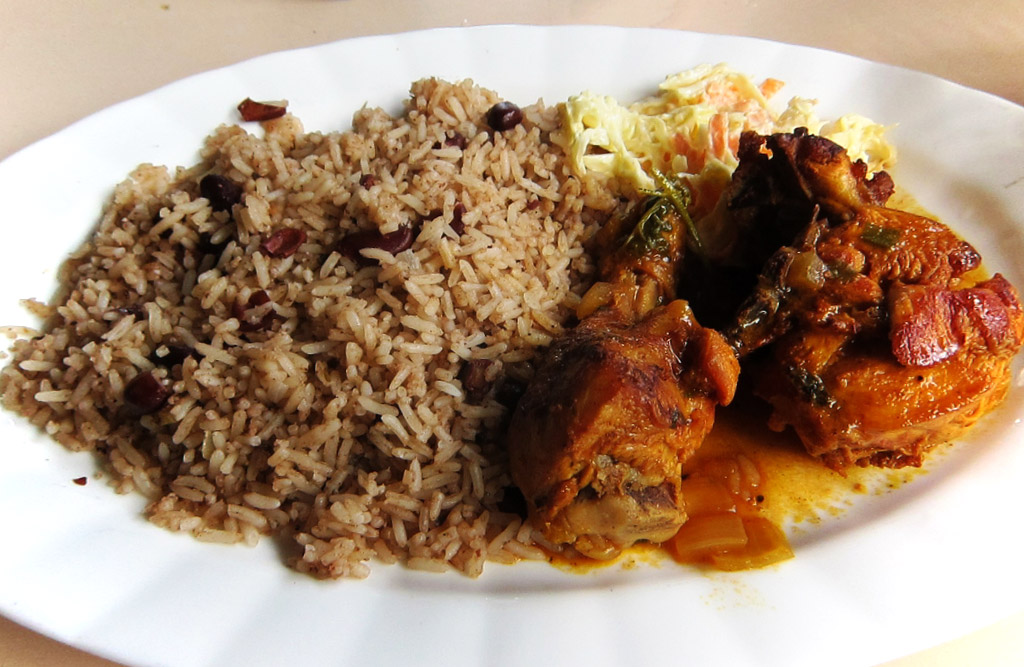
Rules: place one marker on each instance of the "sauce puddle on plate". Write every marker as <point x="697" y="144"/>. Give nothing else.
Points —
<point x="784" y="485"/>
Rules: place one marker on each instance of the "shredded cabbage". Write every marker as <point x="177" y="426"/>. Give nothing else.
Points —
<point x="862" y="139"/>
<point x="693" y="124"/>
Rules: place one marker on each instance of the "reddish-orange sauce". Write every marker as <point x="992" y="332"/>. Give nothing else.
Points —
<point x="797" y="488"/>
<point x="792" y="490"/>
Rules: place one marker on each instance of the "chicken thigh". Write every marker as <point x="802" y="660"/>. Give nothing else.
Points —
<point x="882" y="339"/>
<point x="597" y="441"/>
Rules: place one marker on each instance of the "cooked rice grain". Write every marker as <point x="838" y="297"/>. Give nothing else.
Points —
<point x="318" y="396"/>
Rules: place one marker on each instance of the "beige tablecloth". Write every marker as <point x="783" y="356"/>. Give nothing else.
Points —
<point x="63" y="60"/>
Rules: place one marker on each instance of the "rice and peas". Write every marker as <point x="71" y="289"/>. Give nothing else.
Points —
<point x="319" y="336"/>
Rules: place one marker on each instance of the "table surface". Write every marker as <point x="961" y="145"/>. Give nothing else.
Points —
<point x="64" y="60"/>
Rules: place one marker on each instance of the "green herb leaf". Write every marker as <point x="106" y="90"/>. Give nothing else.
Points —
<point x="883" y="237"/>
<point x="680" y="200"/>
<point x="649" y="233"/>
<point x="811" y="386"/>
<point x="842" y="271"/>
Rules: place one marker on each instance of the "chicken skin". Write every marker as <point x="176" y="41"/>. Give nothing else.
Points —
<point x="881" y="340"/>
<point x="597" y="441"/>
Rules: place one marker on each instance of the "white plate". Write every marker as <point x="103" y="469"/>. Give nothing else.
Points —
<point x="897" y="573"/>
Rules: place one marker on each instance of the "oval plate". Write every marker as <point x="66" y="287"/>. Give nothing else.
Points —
<point x="896" y="573"/>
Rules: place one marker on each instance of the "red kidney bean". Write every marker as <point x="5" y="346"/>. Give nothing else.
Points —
<point x="222" y="193"/>
<point x="473" y="376"/>
<point x="252" y="110"/>
<point x="394" y="242"/>
<point x="457" y="139"/>
<point x="284" y="242"/>
<point x="458" y="226"/>
<point x="134" y="309"/>
<point x="504" y="116"/>
<point x="368" y="181"/>
<point x="258" y="298"/>
<point x="145" y="394"/>
<point x="176" y="354"/>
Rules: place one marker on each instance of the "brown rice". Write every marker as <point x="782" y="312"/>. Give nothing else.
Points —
<point x="335" y="413"/>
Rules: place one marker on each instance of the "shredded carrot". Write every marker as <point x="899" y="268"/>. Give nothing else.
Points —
<point x="734" y="142"/>
<point x="718" y="129"/>
<point x="723" y="95"/>
<point x="771" y="86"/>
<point x="694" y="157"/>
<point x="756" y="117"/>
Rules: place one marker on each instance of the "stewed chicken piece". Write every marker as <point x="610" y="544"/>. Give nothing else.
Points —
<point x="597" y="442"/>
<point x="883" y="340"/>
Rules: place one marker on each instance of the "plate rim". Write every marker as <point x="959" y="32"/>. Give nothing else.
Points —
<point x="191" y="79"/>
